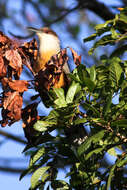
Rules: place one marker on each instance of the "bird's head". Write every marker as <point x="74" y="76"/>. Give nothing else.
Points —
<point x="47" y="37"/>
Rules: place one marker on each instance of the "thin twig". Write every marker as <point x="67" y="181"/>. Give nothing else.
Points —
<point x="37" y="7"/>
<point x="64" y="15"/>
<point x="108" y="128"/>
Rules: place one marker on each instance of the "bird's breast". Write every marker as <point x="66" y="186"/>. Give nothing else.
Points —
<point x="45" y="56"/>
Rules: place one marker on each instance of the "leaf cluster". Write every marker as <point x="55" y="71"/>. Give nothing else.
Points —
<point x="86" y="123"/>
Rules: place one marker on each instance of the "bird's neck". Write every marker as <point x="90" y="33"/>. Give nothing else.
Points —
<point x="49" y="43"/>
<point x="49" y="46"/>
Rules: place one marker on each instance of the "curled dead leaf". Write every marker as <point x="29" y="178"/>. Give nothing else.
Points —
<point x="14" y="59"/>
<point x="30" y="117"/>
<point x="29" y="50"/>
<point x="8" y="98"/>
<point x="76" y="57"/>
<point x="18" y="85"/>
<point x="12" y="104"/>
<point x="3" y="39"/>
<point x="3" y="69"/>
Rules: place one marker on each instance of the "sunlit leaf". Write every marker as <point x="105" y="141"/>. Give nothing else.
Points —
<point x="37" y="156"/>
<point x="37" y="175"/>
<point x="42" y="126"/>
<point x="74" y="88"/>
<point x="115" y="70"/>
<point x="93" y="73"/>
<point x="60" y="101"/>
<point x="112" y="152"/>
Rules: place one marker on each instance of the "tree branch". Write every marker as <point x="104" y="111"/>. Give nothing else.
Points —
<point x="12" y="137"/>
<point x="11" y="170"/>
<point x="97" y="7"/>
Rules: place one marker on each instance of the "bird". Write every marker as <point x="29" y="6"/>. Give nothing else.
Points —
<point x="49" y="45"/>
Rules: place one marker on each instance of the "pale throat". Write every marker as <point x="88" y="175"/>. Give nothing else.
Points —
<point x="49" y="45"/>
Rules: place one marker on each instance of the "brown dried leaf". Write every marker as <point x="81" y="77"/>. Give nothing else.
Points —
<point x="14" y="59"/>
<point x="15" y="108"/>
<point x="12" y="104"/>
<point x="29" y="114"/>
<point x="30" y="117"/>
<point x="76" y="57"/>
<point x="3" y="39"/>
<point x="18" y="85"/>
<point x="9" y="96"/>
<point x="64" y="56"/>
<point x="4" y="82"/>
<point x="30" y="53"/>
<point x="53" y="74"/>
<point x="3" y="69"/>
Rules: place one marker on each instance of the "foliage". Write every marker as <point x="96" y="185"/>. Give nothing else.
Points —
<point x="84" y="125"/>
<point x="62" y="138"/>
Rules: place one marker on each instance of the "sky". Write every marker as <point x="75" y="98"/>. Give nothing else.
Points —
<point x="11" y="149"/>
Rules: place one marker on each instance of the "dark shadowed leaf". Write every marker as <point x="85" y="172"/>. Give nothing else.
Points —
<point x="92" y="139"/>
<point x="120" y="123"/>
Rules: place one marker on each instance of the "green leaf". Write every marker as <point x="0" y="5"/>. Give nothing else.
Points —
<point x="84" y="77"/>
<point x="80" y="120"/>
<point x="105" y="40"/>
<point x="27" y="171"/>
<point x="115" y="70"/>
<point x="99" y="120"/>
<point x="123" y="161"/>
<point x="89" y="83"/>
<point x="37" y="156"/>
<point x="123" y="15"/>
<point x="73" y="89"/>
<point x="120" y="162"/>
<point x="60" y="185"/>
<point x="42" y="126"/>
<point x="100" y="29"/>
<point x="44" y="177"/>
<point x="73" y="77"/>
<point x="115" y="35"/>
<point x="107" y="104"/>
<point x="93" y="73"/>
<point x="92" y="139"/>
<point x="82" y="73"/>
<point x="95" y="151"/>
<point x="92" y="37"/>
<point x="104" y="25"/>
<point x="120" y="123"/>
<point x="112" y="152"/>
<point x="60" y="101"/>
<point x="37" y="175"/>
<point x="87" y="107"/>
<point x="111" y="174"/>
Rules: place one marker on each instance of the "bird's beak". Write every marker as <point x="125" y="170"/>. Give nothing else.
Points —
<point x="36" y="30"/>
